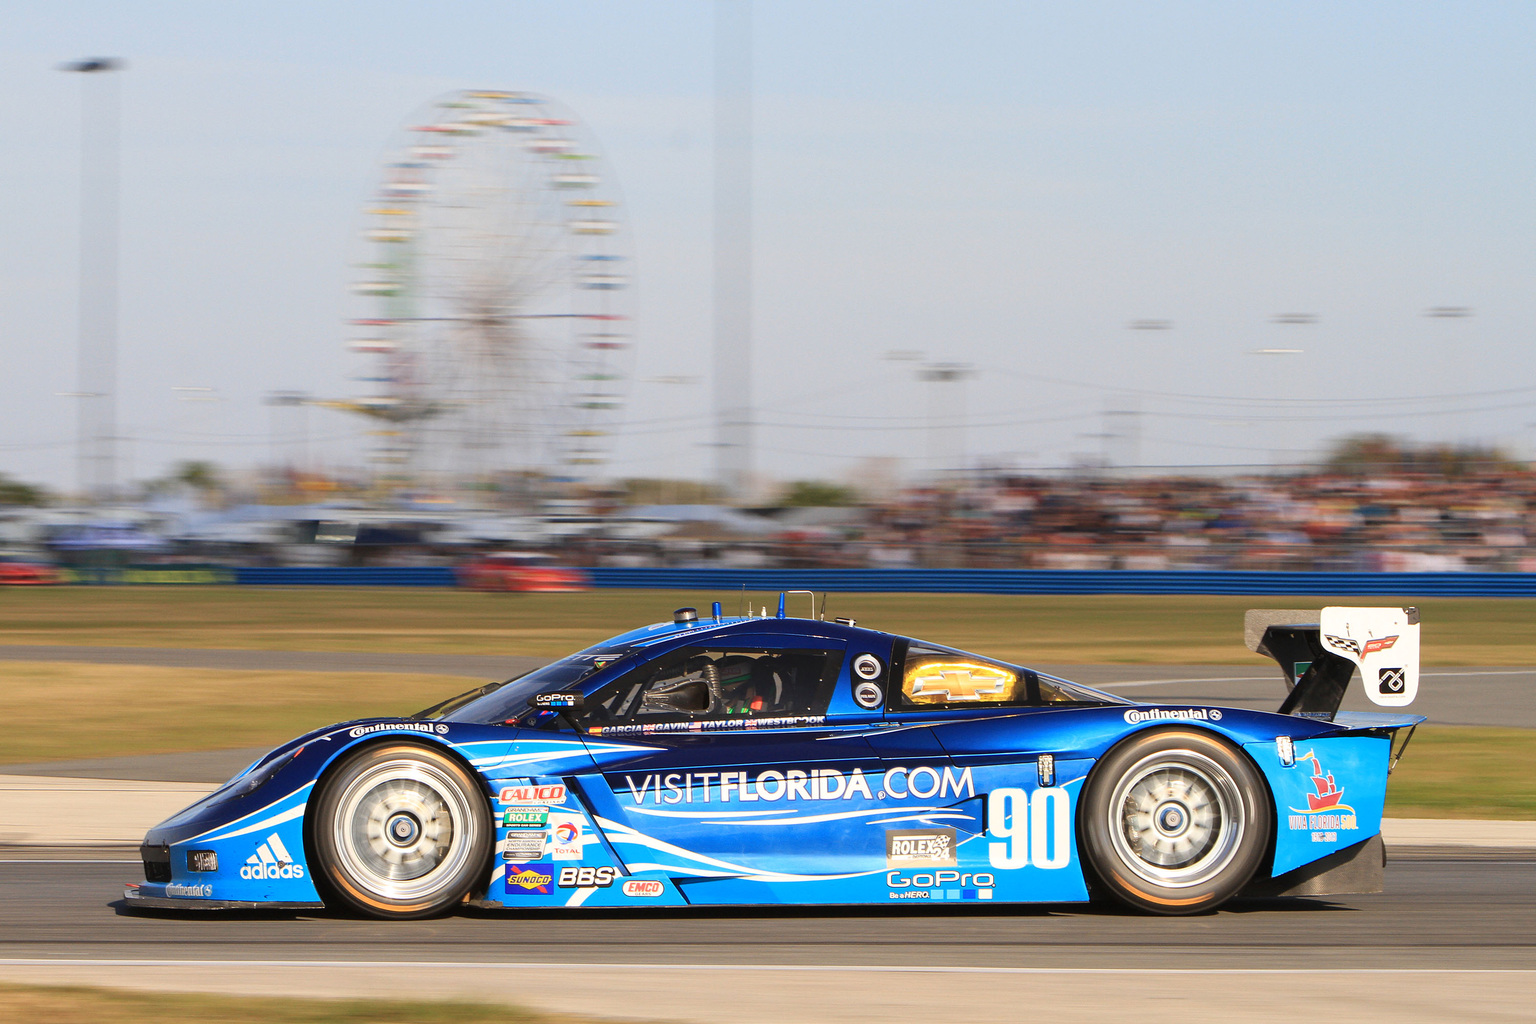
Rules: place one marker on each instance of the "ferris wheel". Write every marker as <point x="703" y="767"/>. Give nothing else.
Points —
<point x="495" y="297"/>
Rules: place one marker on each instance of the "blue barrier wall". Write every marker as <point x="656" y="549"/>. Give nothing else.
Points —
<point x="423" y="576"/>
<point x="960" y="581"/>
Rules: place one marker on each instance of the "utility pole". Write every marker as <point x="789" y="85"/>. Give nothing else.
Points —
<point x="97" y="349"/>
<point x="733" y="246"/>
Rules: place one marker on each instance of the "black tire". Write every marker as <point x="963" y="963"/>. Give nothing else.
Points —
<point x="400" y="830"/>
<point x="1175" y="821"/>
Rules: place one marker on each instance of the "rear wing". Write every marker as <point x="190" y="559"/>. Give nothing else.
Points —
<point x="1319" y="650"/>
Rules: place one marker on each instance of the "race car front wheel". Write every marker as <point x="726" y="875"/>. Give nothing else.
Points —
<point x="400" y="831"/>
<point x="1175" y="821"/>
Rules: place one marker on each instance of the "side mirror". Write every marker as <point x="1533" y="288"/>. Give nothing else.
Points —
<point x="556" y="701"/>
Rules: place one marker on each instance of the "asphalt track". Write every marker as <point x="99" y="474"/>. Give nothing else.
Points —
<point x="1435" y="913"/>
<point x="1449" y="939"/>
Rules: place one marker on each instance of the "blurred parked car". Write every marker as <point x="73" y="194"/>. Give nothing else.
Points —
<point x="524" y="571"/>
<point x="32" y="573"/>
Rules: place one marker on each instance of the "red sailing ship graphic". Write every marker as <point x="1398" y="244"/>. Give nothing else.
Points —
<point x="1328" y="796"/>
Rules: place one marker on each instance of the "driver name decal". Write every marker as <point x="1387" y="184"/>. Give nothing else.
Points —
<point x="708" y="725"/>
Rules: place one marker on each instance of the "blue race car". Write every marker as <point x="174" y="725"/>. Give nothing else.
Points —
<point x="748" y="761"/>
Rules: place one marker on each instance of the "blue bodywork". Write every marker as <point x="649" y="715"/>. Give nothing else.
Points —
<point x="812" y="809"/>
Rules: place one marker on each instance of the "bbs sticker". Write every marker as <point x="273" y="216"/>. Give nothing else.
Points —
<point x="588" y="877"/>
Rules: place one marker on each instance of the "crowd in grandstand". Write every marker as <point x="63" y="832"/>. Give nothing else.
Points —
<point x="1406" y="522"/>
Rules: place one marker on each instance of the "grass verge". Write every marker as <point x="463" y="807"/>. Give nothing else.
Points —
<point x="1031" y="629"/>
<point x="62" y="711"/>
<point x="81" y="1005"/>
<point x="57" y="711"/>
<point x="1451" y="771"/>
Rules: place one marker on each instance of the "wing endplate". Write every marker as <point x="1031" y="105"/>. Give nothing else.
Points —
<point x="1384" y="643"/>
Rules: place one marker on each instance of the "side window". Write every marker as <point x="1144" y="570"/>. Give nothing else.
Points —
<point x="932" y="677"/>
<point x="944" y="677"/>
<point x="720" y="683"/>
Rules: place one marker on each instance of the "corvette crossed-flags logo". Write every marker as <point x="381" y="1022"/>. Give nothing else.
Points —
<point x="271" y="860"/>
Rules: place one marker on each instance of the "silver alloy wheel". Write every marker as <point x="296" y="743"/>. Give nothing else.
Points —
<point x="401" y="829"/>
<point x="1176" y="818"/>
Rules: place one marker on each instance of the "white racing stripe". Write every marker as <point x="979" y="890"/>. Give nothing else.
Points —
<point x="523" y="965"/>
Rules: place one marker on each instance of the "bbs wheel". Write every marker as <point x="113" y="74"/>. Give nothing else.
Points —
<point x="400" y="831"/>
<point x="1175" y="821"/>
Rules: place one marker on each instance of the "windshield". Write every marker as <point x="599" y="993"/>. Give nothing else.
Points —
<point x="444" y="708"/>
<point x="503" y="702"/>
<point x="1060" y="691"/>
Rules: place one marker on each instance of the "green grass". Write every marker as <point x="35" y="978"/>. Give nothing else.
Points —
<point x="80" y="1005"/>
<point x="1039" y="630"/>
<point x="61" y="711"/>
<point x="1451" y="771"/>
<point x="58" y="711"/>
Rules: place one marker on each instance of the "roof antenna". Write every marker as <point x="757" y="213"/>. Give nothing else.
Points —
<point x="781" y="604"/>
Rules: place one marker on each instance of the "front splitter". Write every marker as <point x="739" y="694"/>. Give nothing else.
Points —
<point x="133" y="892"/>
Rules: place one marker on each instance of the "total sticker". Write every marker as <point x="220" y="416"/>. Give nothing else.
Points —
<point x="565" y="836"/>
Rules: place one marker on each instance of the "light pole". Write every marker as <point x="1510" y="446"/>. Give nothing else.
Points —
<point x="940" y="399"/>
<point x="97" y="350"/>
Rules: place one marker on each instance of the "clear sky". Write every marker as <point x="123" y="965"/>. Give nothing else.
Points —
<point x="1003" y="185"/>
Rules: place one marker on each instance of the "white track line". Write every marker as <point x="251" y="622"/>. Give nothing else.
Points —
<point x="1202" y="679"/>
<point x="1271" y="678"/>
<point x="817" y="968"/>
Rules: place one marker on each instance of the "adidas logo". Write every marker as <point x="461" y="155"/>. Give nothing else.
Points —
<point x="271" y="860"/>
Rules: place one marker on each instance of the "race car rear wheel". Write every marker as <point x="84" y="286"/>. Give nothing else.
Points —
<point x="1175" y="821"/>
<point x="400" y="831"/>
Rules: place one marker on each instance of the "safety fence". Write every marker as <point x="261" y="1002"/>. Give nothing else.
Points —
<point x="930" y="581"/>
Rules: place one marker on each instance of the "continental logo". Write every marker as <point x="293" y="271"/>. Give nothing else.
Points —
<point x="1140" y="715"/>
<point x="437" y="729"/>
